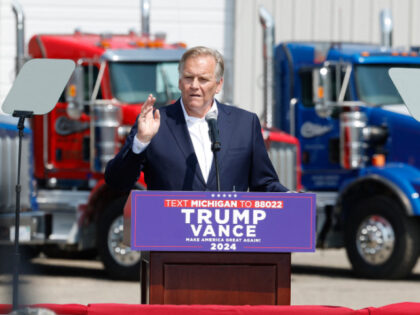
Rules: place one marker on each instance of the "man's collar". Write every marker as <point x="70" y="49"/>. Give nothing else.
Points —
<point x="187" y="117"/>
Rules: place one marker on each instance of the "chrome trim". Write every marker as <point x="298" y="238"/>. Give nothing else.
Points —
<point x="9" y="144"/>
<point x="98" y="82"/>
<point x="345" y="83"/>
<point x="143" y="55"/>
<point x="121" y="253"/>
<point x="145" y="17"/>
<point x="375" y="240"/>
<point x="327" y="198"/>
<point x="292" y="106"/>
<point x="283" y="158"/>
<point x="386" y="28"/>
<point x="64" y="207"/>
<point x="91" y="113"/>
<point x="267" y="23"/>
<point x="352" y="140"/>
<point x="105" y="120"/>
<point x="35" y="220"/>
<point x="20" y="34"/>
<point x="48" y="166"/>
<point x="123" y="131"/>
<point x="61" y="200"/>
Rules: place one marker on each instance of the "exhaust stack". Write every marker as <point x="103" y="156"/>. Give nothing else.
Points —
<point x="386" y="28"/>
<point x="20" y="34"/>
<point x="267" y="23"/>
<point x="145" y="18"/>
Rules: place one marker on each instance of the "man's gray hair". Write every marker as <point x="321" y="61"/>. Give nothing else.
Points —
<point x="204" y="51"/>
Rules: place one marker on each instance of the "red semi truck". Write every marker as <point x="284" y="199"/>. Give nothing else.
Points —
<point x="73" y="143"/>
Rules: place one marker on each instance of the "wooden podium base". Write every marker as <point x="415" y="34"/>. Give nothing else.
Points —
<point x="215" y="278"/>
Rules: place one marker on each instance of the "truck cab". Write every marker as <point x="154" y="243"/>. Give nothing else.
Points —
<point x="358" y="149"/>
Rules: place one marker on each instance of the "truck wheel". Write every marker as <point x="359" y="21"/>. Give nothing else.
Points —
<point x="119" y="260"/>
<point x="54" y="251"/>
<point x="381" y="241"/>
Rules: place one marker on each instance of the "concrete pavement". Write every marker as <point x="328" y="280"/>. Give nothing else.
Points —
<point x="320" y="278"/>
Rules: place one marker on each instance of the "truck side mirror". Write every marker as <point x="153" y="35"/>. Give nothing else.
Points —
<point x="322" y="93"/>
<point x="75" y="93"/>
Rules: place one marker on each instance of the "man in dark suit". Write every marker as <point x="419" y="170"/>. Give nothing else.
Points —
<point x="172" y="147"/>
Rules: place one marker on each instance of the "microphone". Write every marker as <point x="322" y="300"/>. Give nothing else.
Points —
<point x="211" y="119"/>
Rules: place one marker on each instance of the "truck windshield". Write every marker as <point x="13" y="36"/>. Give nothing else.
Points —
<point x="132" y="82"/>
<point x="374" y="86"/>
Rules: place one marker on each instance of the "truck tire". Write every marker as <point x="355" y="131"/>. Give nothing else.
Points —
<point x="54" y="251"/>
<point x="119" y="260"/>
<point x="381" y="241"/>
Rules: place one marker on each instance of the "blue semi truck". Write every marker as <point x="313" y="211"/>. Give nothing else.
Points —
<point x="360" y="149"/>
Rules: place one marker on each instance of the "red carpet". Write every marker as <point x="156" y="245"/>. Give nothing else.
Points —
<point x="405" y="308"/>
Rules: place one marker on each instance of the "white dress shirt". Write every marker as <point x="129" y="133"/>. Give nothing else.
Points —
<point x="199" y="134"/>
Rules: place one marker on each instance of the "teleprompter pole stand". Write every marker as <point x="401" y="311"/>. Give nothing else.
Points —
<point x="21" y="125"/>
<point x="36" y="90"/>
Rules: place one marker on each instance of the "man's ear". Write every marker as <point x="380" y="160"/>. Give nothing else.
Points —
<point x="219" y="86"/>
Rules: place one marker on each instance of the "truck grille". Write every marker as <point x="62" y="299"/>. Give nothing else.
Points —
<point x="284" y="158"/>
<point x="9" y="145"/>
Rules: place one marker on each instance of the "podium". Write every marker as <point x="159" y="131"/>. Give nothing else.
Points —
<point x="218" y="248"/>
<point x="215" y="278"/>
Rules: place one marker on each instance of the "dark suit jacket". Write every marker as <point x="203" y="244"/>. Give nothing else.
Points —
<point x="169" y="162"/>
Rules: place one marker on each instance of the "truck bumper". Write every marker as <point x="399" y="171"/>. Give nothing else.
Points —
<point x="34" y="228"/>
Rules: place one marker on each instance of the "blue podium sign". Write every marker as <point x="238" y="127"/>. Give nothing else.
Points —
<point x="222" y="221"/>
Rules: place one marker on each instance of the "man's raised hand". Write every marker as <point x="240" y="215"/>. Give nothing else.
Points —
<point x="148" y="121"/>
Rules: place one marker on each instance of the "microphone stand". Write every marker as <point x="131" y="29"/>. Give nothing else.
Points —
<point x="215" y="146"/>
<point x="20" y="126"/>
